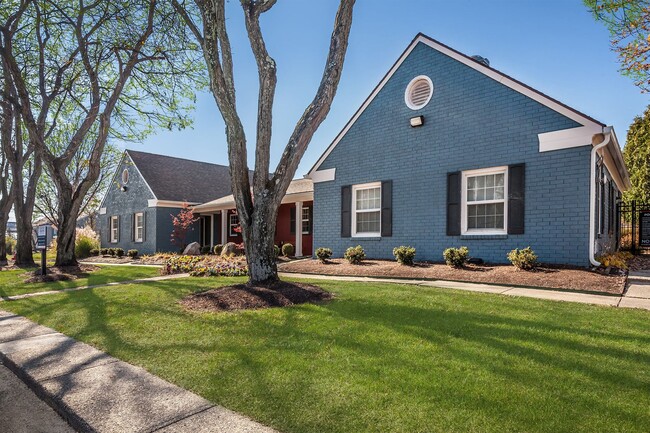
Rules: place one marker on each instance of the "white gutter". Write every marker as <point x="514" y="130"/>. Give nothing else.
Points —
<point x="604" y="140"/>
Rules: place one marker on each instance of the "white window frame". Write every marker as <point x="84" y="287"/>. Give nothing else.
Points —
<point x="305" y="220"/>
<point x="464" y="203"/>
<point x="115" y="229"/>
<point x="361" y="187"/>
<point x="125" y="174"/>
<point x="231" y="225"/>
<point x="140" y="227"/>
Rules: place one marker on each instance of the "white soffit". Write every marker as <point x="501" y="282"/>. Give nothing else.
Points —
<point x="323" y="175"/>
<point x="567" y="138"/>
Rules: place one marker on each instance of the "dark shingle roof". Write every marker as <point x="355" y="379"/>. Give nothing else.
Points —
<point x="178" y="179"/>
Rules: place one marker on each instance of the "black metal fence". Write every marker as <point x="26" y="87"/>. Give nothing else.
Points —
<point x="633" y="226"/>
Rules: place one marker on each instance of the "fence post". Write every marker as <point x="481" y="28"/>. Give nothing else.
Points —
<point x="634" y="227"/>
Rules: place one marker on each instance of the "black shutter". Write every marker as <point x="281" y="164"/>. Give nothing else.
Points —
<point x="292" y="221"/>
<point x="346" y="211"/>
<point x="133" y="228"/>
<point x="119" y="227"/>
<point x="387" y="208"/>
<point x="453" y="203"/>
<point x="516" y="198"/>
<point x="311" y="218"/>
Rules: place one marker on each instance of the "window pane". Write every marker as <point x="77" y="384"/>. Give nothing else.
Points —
<point x="368" y="198"/>
<point x="485" y="216"/>
<point x="487" y="187"/>
<point x="368" y="222"/>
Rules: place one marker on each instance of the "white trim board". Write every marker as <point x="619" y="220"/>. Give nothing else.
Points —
<point x="168" y="203"/>
<point x="322" y="175"/>
<point x="567" y="138"/>
<point x="498" y="76"/>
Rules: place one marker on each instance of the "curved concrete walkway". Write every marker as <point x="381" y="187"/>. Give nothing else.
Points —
<point x="623" y="301"/>
<point x="95" y="392"/>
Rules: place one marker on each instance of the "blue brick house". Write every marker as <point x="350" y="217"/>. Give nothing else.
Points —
<point x="448" y="151"/>
<point x="147" y="189"/>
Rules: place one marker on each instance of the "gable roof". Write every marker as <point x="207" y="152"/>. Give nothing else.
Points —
<point x="475" y="64"/>
<point x="178" y="179"/>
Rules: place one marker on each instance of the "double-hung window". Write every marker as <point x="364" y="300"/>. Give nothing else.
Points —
<point x="233" y="224"/>
<point x="115" y="229"/>
<point x="485" y="195"/>
<point x="138" y="221"/>
<point x="366" y="209"/>
<point x="305" y="221"/>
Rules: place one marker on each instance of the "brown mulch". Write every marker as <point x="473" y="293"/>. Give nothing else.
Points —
<point x="109" y="259"/>
<point x="245" y="297"/>
<point x="60" y="273"/>
<point x="640" y="263"/>
<point x="546" y="276"/>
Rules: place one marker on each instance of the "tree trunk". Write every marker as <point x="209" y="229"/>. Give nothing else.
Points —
<point x="3" y="239"/>
<point x="259" y="241"/>
<point x="24" y="253"/>
<point x="68" y="212"/>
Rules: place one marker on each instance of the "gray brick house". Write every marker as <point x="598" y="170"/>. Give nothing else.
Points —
<point x="448" y="151"/>
<point x="147" y="189"/>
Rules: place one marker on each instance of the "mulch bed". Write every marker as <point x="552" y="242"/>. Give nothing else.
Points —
<point x="112" y="260"/>
<point x="640" y="263"/>
<point x="60" y="273"/>
<point x="555" y="277"/>
<point x="245" y="297"/>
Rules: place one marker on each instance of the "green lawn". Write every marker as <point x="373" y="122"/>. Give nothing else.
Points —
<point x="12" y="282"/>
<point x="381" y="357"/>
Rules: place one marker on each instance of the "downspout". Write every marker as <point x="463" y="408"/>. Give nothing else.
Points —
<point x="598" y="141"/>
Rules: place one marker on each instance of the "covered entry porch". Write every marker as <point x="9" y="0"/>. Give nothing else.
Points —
<point x="219" y="221"/>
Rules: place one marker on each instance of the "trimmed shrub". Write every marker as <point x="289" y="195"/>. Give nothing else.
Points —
<point x="276" y="251"/>
<point x="217" y="249"/>
<point x="205" y="249"/>
<point x="456" y="257"/>
<point x="111" y="252"/>
<point x="615" y="260"/>
<point x="404" y="255"/>
<point x="132" y="253"/>
<point x="103" y="251"/>
<point x="524" y="259"/>
<point x="288" y="250"/>
<point x="94" y="252"/>
<point x="323" y="254"/>
<point x="119" y="252"/>
<point x="355" y="255"/>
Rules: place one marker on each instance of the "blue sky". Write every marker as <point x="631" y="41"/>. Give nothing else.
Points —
<point x="554" y="46"/>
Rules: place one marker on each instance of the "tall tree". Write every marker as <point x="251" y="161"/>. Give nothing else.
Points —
<point x="257" y="206"/>
<point x="85" y="72"/>
<point x="637" y="158"/>
<point x="6" y="184"/>
<point x="23" y="162"/>
<point x="628" y="22"/>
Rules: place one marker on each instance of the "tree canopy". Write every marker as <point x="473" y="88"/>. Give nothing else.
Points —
<point x="637" y="158"/>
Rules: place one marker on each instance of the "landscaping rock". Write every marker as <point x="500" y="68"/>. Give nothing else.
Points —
<point x="229" y="249"/>
<point x="193" y="249"/>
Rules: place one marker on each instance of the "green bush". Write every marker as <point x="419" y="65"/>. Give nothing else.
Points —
<point x="111" y="252"/>
<point x="404" y="255"/>
<point x="217" y="249"/>
<point x="276" y="251"/>
<point x="524" y="259"/>
<point x="132" y="253"/>
<point x="456" y="257"/>
<point x="205" y="249"/>
<point x="288" y="250"/>
<point x="119" y="252"/>
<point x="11" y="245"/>
<point x="323" y="254"/>
<point x="94" y="252"/>
<point x="104" y="251"/>
<point x="355" y="255"/>
<point x="86" y="239"/>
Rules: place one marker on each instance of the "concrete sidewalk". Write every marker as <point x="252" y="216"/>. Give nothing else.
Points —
<point x="95" y="392"/>
<point x="531" y="292"/>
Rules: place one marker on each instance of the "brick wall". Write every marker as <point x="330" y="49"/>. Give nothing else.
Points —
<point x="471" y="122"/>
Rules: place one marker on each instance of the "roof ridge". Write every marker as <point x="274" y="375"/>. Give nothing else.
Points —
<point x="174" y="157"/>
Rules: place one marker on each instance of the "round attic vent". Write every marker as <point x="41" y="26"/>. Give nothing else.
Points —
<point x="125" y="177"/>
<point x="418" y="92"/>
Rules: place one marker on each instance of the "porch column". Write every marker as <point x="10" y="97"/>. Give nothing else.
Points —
<point x="211" y="231"/>
<point x="224" y="225"/>
<point x="299" y="229"/>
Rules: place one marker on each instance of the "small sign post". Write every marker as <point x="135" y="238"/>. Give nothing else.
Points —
<point x="41" y="244"/>
<point x="644" y="228"/>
